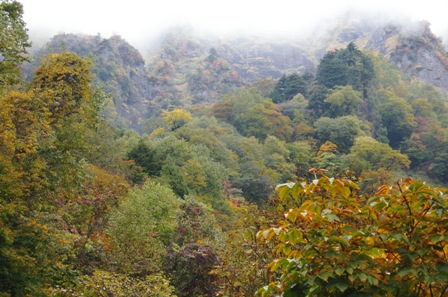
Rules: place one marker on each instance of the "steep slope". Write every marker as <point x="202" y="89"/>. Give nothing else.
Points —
<point x="255" y="58"/>
<point x="187" y="69"/>
<point x="422" y="55"/>
<point x="411" y="47"/>
<point x="120" y="71"/>
<point x="122" y="68"/>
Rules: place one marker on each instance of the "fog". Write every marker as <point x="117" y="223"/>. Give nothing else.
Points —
<point x="140" y="22"/>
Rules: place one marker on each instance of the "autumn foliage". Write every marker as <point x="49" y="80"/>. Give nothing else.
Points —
<point x="333" y="241"/>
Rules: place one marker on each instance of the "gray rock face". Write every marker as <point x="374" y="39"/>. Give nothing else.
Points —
<point x="255" y="60"/>
<point x="178" y="72"/>
<point x="422" y="56"/>
<point x="413" y="48"/>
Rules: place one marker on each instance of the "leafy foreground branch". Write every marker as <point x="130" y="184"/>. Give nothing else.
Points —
<point x="333" y="241"/>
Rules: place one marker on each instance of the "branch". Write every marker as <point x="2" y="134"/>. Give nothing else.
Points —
<point x="389" y="249"/>
<point x="409" y="210"/>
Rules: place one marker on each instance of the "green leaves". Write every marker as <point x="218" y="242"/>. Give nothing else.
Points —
<point x="331" y="240"/>
<point x="347" y="66"/>
<point x="137" y="237"/>
<point x="13" y="42"/>
<point x="295" y="236"/>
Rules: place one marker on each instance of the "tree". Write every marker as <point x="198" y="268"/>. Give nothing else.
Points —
<point x="316" y="104"/>
<point x="295" y="108"/>
<point x="43" y="157"/>
<point x="254" y="183"/>
<point x="347" y="66"/>
<point x="140" y="229"/>
<point x="88" y="214"/>
<point x="343" y="101"/>
<point x="332" y="241"/>
<point x="13" y="42"/>
<point x="147" y="157"/>
<point x="203" y="175"/>
<point x="192" y="256"/>
<point x="62" y="82"/>
<point x="252" y="180"/>
<point x="341" y="131"/>
<point x="327" y="147"/>
<point x="396" y="117"/>
<point x="104" y="283"/>
<point x="375" y="155"/>
<point x="223" y="110"/>
<point x="212" y="55"/>
<point x="176" y="118"/>
<point x="278" y="160"/>
<point x="289" y="86"/>
<point x="191" y="268"/>
<point x="244" y="258"/>
<point x="427" y="148"/>
<point x="243" y="99"/>
<point x="262" y="120"/>
<point x="332" y="71"/>
<point x="301" y="155"/>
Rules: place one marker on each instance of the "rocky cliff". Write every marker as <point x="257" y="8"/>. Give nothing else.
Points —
<point x="186" y="69"/>
<point x="119" y="70"/>
<point x="411" y="47"/>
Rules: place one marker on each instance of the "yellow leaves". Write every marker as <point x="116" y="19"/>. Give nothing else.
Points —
<point x="7" y="129"/>
<point x="194" y="173"/>
<point x="157" y="132"/>
<point x="383" y="190"/>
<point x="327" y="147"/>
<point x="303" y="209"/>
<point x="176" y="118"/>
<point x="62" y="87"/>
<point x="363" y="237"/>
<point x="383" y="230"/>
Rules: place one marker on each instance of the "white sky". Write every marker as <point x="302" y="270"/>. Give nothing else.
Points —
<point x="138" y="20"/>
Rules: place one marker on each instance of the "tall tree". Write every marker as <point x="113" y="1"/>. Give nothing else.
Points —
<point x="396" y="116"/>
<point x="343" y="101"/>
<point x="289" y="86"/>
<point x="341" y="131"/>
<point x="42" y="158"/>
<point x="370" y="154"/>
<point x="141" y="227"/>
<point x="316" y="104"/>
<point x="347" y="66"/>
<point x="13" y="42"/>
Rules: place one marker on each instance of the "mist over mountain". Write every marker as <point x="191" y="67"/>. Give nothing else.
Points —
<point x="162" y="169"/>
<point x="186" y="68"/>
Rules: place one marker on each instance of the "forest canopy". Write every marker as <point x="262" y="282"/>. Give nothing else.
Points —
<point x="325" y="185"/>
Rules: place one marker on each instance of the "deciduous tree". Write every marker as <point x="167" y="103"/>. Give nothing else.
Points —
<point x="14" y="42"/>
<point x="332" y="241"/>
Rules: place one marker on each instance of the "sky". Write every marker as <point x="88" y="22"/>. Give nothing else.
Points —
<point x="139" y="21"/>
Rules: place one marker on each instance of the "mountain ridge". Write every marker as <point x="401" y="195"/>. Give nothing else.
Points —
<point x="186" y="69"/>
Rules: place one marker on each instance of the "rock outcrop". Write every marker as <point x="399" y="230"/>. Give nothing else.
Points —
<point x="186" y="69"/>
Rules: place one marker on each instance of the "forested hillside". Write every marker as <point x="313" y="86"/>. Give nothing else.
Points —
<point x="213" y="168"/>
<point x="185" y="68"/>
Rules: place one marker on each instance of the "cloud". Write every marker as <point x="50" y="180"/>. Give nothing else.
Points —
<point x="138" y="21"/>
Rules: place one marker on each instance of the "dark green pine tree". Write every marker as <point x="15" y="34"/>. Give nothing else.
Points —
<point x="347" y="66"/>
<point x="316" y="103"/>
<point x="147" y="158"/>
<point x="289" y="86"/>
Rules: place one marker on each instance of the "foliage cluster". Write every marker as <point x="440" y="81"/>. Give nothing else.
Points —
<point x="332" y="241"/>
<point x="186" y="208"/>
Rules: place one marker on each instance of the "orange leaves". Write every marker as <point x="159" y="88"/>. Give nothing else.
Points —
<point x="330" y="239"/>
<point x="327" y="147"/>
